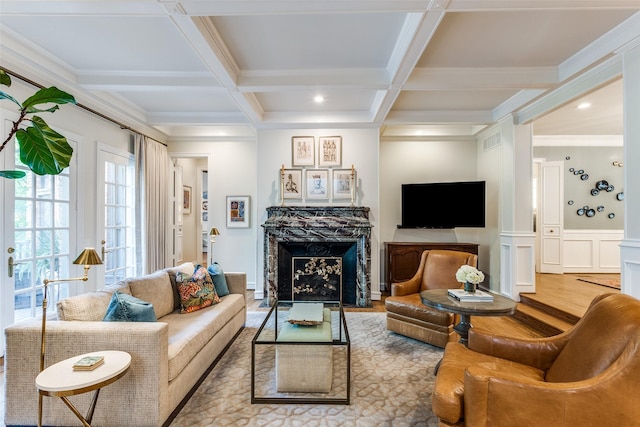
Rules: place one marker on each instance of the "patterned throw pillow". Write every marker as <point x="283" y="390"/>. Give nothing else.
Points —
<point x="196" y="291"/>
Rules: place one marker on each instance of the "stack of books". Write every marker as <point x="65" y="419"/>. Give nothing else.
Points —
<point x="88" y="363"/>
<point x="478" y="296"/>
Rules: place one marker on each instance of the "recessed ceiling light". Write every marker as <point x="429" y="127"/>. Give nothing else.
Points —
<point x="584" y="105"/>
<point x="318" y="99"/>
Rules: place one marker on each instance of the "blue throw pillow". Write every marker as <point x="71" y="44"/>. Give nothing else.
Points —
<point x="127" y="308"/>
<point x="219" y="281"/>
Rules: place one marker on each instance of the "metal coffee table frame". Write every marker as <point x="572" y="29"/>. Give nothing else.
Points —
<point x="276" y="313"/>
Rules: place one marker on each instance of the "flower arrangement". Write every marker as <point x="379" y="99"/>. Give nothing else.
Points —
<point x="469" y="274"/>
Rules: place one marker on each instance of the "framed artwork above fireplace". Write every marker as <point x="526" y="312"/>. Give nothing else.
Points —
<point x="317" y="183"/>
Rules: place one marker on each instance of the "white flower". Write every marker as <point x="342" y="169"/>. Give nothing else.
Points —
<point x="467" y="273"/>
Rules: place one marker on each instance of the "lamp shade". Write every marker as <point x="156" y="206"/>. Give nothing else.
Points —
<point x="88" y="256"/>
<point x="214" y="232"/>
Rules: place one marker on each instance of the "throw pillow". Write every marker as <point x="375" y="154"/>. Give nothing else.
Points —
<point x="196" y="291"/>
<point x="127" y="308"/>
<point x="219" y="281"/>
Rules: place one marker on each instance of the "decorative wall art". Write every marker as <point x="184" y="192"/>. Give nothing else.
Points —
<point x="303" y="151"/>
<point x="186" y="199"/>
<point x="330" y="151"/>
<point x="317" y="183"/>
<point x="343" y="183"/>
<point x="291" y="183"/>
<point x="238" y="211"/>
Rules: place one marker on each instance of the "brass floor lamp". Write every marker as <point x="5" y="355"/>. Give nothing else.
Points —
<point x="87" y="257"/>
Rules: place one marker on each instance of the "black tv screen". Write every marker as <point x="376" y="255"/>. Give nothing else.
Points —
<point x="443" y="205"/>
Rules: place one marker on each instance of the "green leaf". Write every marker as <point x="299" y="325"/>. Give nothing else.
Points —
<point x="5" y="79"/>
<point x="10" y="98"/>
<point x="12" y="174"/>
<point x="42" y="149"/>
<point x="47" y="95"/>
<point x="32" y="110"/>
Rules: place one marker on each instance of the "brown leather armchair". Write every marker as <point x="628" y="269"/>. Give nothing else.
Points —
<point x="586" y="376"/>
<point x="406" y="314"/>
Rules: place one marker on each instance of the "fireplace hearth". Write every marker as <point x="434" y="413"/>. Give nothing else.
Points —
<point x="318" y="253"/>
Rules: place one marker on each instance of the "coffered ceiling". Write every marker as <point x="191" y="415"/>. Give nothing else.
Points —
<point x="202" y="69"/>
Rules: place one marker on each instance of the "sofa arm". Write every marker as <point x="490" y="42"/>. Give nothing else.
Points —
<point x="237" y="283"/>
<point x="143" y="391"/>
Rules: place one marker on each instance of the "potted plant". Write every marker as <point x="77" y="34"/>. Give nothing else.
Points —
<point x="42" y="149"/>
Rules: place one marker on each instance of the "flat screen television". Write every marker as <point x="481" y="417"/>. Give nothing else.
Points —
<point x="443" y="205"/>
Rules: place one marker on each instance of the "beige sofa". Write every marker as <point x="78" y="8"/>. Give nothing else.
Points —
<point x="168" y="356"/>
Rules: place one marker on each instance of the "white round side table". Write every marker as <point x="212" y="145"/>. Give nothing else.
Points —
<point x="62" y="380"/>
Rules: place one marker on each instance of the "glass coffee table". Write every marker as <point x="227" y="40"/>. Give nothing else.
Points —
<point x="302" y="354"/>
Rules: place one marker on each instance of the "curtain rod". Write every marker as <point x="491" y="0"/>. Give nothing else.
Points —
<point x="84" y="107"/>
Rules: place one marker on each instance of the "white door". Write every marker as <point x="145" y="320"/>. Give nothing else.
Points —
<point x="116" y="213"/>
<point x="37" y="237"/>
<point x="551" y="187"/>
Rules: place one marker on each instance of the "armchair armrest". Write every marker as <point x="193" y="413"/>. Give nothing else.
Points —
<point x="539" y="352"/>
<point x="411" y="286"/>
<point x="523" y="399"/>
<point x="237" y="283"/>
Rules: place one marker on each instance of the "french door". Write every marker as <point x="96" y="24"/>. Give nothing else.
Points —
<point x="37" y="236"/>
<point x="116" y="213"/>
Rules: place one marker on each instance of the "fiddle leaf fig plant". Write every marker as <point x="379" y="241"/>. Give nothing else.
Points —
<point x="42" y="149"/>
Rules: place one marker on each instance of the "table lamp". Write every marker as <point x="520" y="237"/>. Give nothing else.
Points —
<point x="87" y="257"/>
<point x="213" y="233"/>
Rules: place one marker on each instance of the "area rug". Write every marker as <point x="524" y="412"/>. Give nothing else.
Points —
<point x="391" y="383"/>
<point x="610" y="283"/>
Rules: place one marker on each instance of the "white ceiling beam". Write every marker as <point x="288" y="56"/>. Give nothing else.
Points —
<point x="277" y="80"/>
<point x="195" y="118"/>
<point x="502" y="5"/>
<point x="433" y="117"/>
<point x="147" y="81"/>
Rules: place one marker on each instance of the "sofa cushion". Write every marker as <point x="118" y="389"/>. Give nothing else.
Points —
<point x="190" y="332"/>
<point x="412" y="307"/>
<point x="91" y="306"/>
<point x="156" y="289"/>
<point x="196" y="290"/>
<point x="219" y="281"/>
<point x="127" y="308"/>
<point x="186" y="268"/>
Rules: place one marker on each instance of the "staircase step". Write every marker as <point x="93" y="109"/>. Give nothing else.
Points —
<point x="532" y="300"/>
<point x="547" y="324"/>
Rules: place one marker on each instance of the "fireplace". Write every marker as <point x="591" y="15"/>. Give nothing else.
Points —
<point x="318" y="253"/>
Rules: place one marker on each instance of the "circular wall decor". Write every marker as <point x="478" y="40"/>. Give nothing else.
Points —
<point x="620" y="196"/>
<point x="581" y="171"/>
<point x="600" y="208"/>
<point x="568" y="158"/>
<point x="570" y="202"/>
<point x="602" y="185"/>
<point x="610" y="188"/>
<point x="575" y="172"/>
<point x="611" y="215"/>
<point x="580" y="212"/>
<point x="591" y="213"/>
<point x="595" y="191"/>
<point x="571" y="169"/>
<point x="584" y="176"/>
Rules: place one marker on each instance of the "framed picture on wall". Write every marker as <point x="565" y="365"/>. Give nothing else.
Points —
<point x="317" y="183"/>
<point x="186" y="199"/>
<point x="342" y="183"/>
<point x="303" y="151"/>
<point x="292" y="183"/>
<point x="330" y="151"/>
<point x="238" y="211"/>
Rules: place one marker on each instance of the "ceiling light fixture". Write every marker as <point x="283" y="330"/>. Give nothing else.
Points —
<point x="319" y="99"/>
<point x="584" y="105"/>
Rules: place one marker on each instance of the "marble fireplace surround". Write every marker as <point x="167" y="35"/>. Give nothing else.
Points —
<point x="319" y="224"/>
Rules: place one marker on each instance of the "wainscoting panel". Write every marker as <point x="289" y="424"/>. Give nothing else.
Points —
<point x="592" y="251"/>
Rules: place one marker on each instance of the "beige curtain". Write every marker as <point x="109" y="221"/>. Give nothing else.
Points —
<point x="153" y="174"/>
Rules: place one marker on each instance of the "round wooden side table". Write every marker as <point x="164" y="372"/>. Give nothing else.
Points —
<point x="62" y="380"/>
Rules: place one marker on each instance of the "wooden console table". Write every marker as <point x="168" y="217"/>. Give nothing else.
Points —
<point x="403" y="258"/>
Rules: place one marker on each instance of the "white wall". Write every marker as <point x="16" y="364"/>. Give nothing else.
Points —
<point x="359" y="148"/>
<point x="423" y="161"/>
<point x="232" y="172"/>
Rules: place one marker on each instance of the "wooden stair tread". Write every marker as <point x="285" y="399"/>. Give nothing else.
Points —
<point x="546" y="323"/>
<point x="505" y="326"/>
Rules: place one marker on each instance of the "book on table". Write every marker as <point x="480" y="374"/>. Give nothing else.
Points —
<point x="477" y="296"/>
<point x="88" y="363"/>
